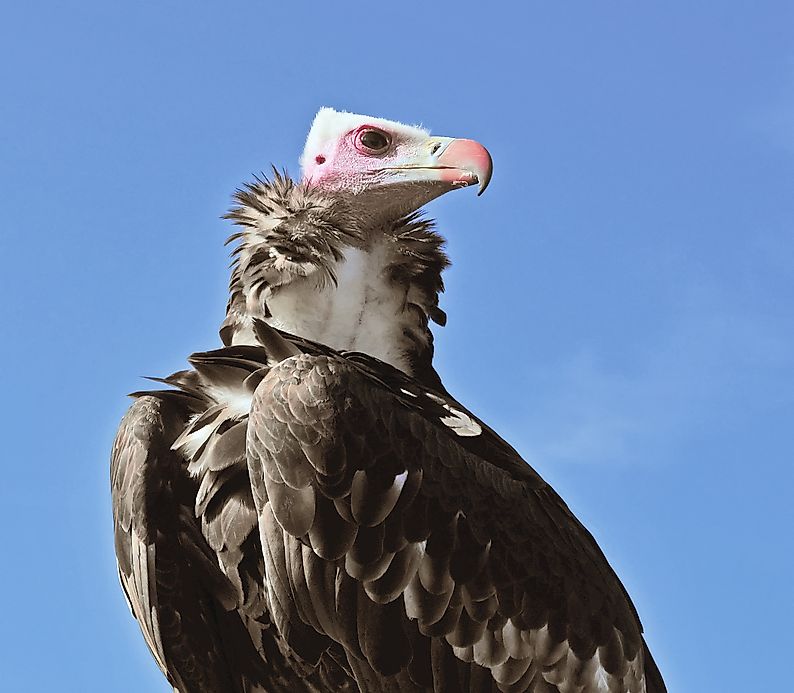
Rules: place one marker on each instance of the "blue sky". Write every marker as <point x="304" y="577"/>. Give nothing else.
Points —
<point x="620" y="305"/>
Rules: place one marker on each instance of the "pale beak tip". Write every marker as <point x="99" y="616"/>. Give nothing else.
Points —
<point x="464" y="162"/>
<point x="485" y="169"/>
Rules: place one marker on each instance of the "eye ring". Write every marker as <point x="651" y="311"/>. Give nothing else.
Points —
<point x="372" y="141"/>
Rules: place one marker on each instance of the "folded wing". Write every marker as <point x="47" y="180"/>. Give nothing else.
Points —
<point x="187" y="543"/>
<point x="399" y="526"/>
<point x="169" y="575"/>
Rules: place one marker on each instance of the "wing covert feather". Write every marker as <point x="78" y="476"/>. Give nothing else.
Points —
<point x="454" y="543"/>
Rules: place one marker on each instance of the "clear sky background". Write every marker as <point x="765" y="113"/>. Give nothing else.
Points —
<point x="620" y="305"/>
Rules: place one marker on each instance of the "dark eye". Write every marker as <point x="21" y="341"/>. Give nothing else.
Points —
<point x="375" y="141"/>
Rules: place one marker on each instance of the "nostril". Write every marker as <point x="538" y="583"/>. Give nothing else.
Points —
<point x="435" y="147"/>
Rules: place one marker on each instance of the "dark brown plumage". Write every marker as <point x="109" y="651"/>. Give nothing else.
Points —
<point x="188" y="547"/>
<point x="469" y="573"/>
<point x="481" y="556"/>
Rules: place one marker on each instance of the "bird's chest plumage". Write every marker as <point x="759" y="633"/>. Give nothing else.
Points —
<point x="365" y="310"/>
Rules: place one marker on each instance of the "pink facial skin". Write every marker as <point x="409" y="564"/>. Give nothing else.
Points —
<point x="371" y="155"/>
<point x="342" y="164"/>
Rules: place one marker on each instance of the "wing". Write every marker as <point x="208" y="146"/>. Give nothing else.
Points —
<point x="187" y="546"/>
<point x="154" y="531"/>
<point x="401" y="527"/>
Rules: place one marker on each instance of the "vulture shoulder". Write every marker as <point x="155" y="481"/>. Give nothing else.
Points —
<point x="188" y="555"/>
<point x="399" y="526"/>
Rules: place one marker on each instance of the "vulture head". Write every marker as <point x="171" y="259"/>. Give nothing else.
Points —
<point x="386" y="169"/>
<point x="341" y="256"/>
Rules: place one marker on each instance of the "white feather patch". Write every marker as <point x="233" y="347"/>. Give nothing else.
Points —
<point x="362" y="312"/>
<point x="460" y="422"/>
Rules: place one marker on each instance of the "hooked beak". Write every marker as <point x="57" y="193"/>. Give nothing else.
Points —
<point x="454" y="161"/>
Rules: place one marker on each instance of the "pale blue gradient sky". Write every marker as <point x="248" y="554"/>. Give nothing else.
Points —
<point x="620" y="307"/>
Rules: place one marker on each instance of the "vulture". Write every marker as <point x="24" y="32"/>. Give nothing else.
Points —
<point x="306" y="508"/>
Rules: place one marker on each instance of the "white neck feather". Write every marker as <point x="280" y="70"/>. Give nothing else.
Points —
<point x="364" y="311"/>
